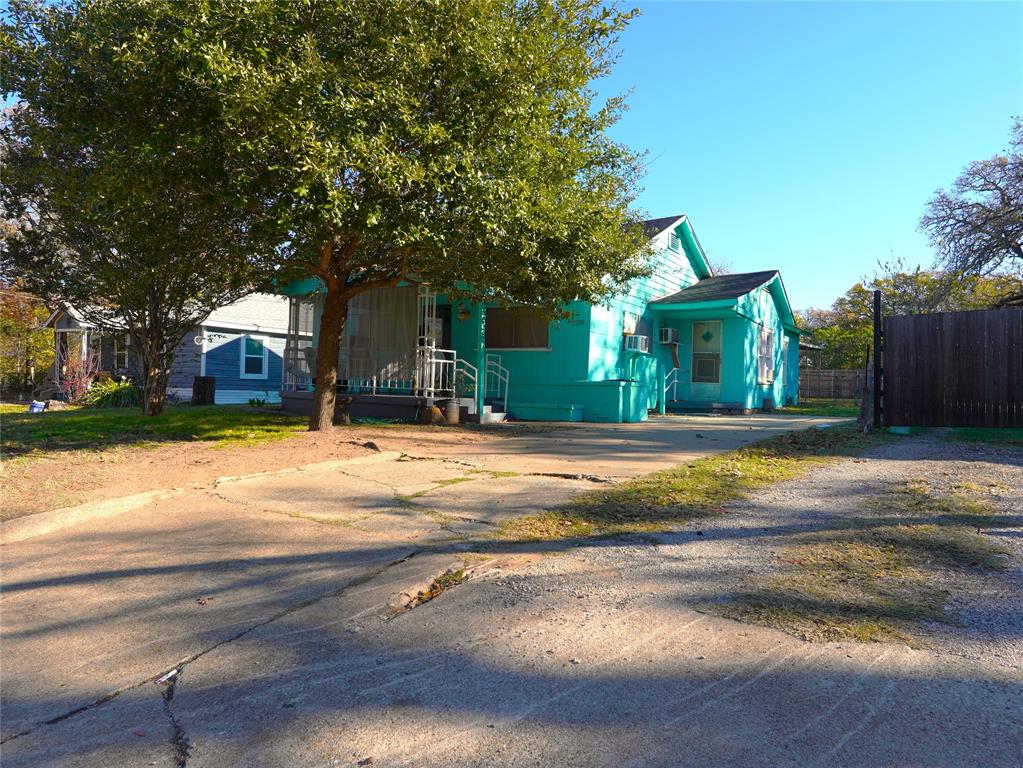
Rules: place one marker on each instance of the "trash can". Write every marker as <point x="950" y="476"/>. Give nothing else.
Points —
<point x="768" y="405"/>
<point x="204" y="390"/>
<point x="450" y="408"/>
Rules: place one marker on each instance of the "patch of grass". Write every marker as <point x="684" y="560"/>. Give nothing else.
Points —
<point x="995" y="436"/>
<point x="76" y="429"/>
<point x="664" y="499"/>
<point x="850" y="408"/>
<point x="409" y="498"/>
<point x="875" y="578"/>
<point x="442" y="583"/>
<point x="494" y="473"/>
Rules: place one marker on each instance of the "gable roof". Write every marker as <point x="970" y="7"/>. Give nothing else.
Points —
<point x="682" y="228"/>
<point x="719" y="287"/>
<point x="654" y="227"/>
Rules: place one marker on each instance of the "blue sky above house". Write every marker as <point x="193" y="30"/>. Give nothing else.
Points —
<point x="808" y="136"/>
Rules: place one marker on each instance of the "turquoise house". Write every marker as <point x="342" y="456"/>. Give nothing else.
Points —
<point x="680" y="339"/>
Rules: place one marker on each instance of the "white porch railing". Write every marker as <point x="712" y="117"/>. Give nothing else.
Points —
<point x="431" y="372"/>
<point x="671" y="385"/>
<point x="496" y="380"/>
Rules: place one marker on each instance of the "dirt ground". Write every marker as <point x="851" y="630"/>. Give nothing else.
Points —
<point x="613" y="451"/>
<point x="67" y="478"/>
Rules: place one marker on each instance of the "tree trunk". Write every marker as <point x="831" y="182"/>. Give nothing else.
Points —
<point x="332" y="323"/>
<point x="154" y="370"/>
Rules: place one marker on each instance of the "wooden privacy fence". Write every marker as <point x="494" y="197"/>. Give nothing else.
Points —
<point x="954" y="369"/>
<point x="831" y="383"/>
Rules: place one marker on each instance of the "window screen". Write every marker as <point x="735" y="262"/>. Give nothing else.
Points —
<point x="707" y="353"/>
<point x="253" y="358"/>
<point x="765" y="368"/>
<point x="516" y="328"/>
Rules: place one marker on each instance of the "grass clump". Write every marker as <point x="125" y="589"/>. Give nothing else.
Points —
<point x="876" y="578"/>
<point x="110" y="394"/>
<point x="442" y="583"/>
<point x="837" y="408"/>
<point x="664" y="499"/>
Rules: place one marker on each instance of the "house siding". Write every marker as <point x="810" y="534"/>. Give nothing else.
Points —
<point x="187" y="364"/>
<point x="586" y="372"/>
<point x="223" y="361"/>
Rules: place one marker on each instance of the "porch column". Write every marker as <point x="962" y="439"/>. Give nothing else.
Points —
<point x="655" y="346"/>
<point x="479" y="319"/>
<point x="662" y="405"/>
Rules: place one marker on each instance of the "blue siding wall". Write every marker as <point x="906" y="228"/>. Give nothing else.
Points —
<point x="223" y="360"/>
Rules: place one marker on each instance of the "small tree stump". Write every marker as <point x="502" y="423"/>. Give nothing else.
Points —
<point x="204" y="390"/>
<point x="343" y="410"/>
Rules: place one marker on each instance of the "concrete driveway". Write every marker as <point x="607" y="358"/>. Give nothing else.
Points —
<point x="273" y="608"/>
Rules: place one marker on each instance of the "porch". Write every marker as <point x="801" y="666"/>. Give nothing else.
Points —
<point x="82" y="348"/>
<point x="402" y="350"/>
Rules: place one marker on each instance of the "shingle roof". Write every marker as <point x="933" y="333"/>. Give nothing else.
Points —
<point x="719" y="287"/>
<point x="653" y="227"/>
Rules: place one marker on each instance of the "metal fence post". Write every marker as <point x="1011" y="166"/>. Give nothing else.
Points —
<point x="878" y="368"/>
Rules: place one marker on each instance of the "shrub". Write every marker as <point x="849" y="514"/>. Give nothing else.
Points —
<point x="78" y="375"/>
<point x="111" y="394"/>
<point x="257" y="402"/>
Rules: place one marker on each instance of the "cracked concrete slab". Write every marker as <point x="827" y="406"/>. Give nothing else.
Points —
<point x="273" y="591"/>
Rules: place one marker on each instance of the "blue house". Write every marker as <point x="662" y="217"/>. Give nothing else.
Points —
<point x="240" y="344"/>
<point x="679" y="339"/>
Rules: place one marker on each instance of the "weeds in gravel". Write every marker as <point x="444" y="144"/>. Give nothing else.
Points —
<point x="873" y="578"/>
<point x="700" y="488"/>
<point x="444" y="582"/>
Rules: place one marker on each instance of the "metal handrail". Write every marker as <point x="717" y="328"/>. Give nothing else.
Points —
<point x="466" y="372"/>
<point x="671" y="382"/>
<point x="499" y="375"/>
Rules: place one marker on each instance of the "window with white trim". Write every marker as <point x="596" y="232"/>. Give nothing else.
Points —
<point x="120" y="351"/>
<point x="765" y="367"/>
<point x="254" y="357"/>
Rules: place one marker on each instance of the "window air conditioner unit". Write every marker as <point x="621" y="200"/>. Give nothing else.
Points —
<point x="669" y="335"/>
<point x="634" y="343"/>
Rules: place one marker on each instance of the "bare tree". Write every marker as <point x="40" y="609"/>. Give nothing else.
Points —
<point x="976" y="226"/>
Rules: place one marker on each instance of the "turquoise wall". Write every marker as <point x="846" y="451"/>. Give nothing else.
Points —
<point x="760" y="308"/>
<point x="585" y="370"/>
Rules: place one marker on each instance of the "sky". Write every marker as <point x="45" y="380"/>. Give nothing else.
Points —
<point x="808" y="137"/>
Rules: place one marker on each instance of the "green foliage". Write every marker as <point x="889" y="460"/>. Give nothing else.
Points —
<point x="112" y="173"/>
<point x="456" y="142"/>
<point x="166" y="147"/>
<point x="26" y="348"/>
<point x="109" y="393"/>
<point x="257" y="402"/>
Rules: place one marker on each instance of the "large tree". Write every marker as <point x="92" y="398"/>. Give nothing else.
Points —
<point x="112" y="172"/>
<point x="457" y="142"/>
<point x="976" y="226"/>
